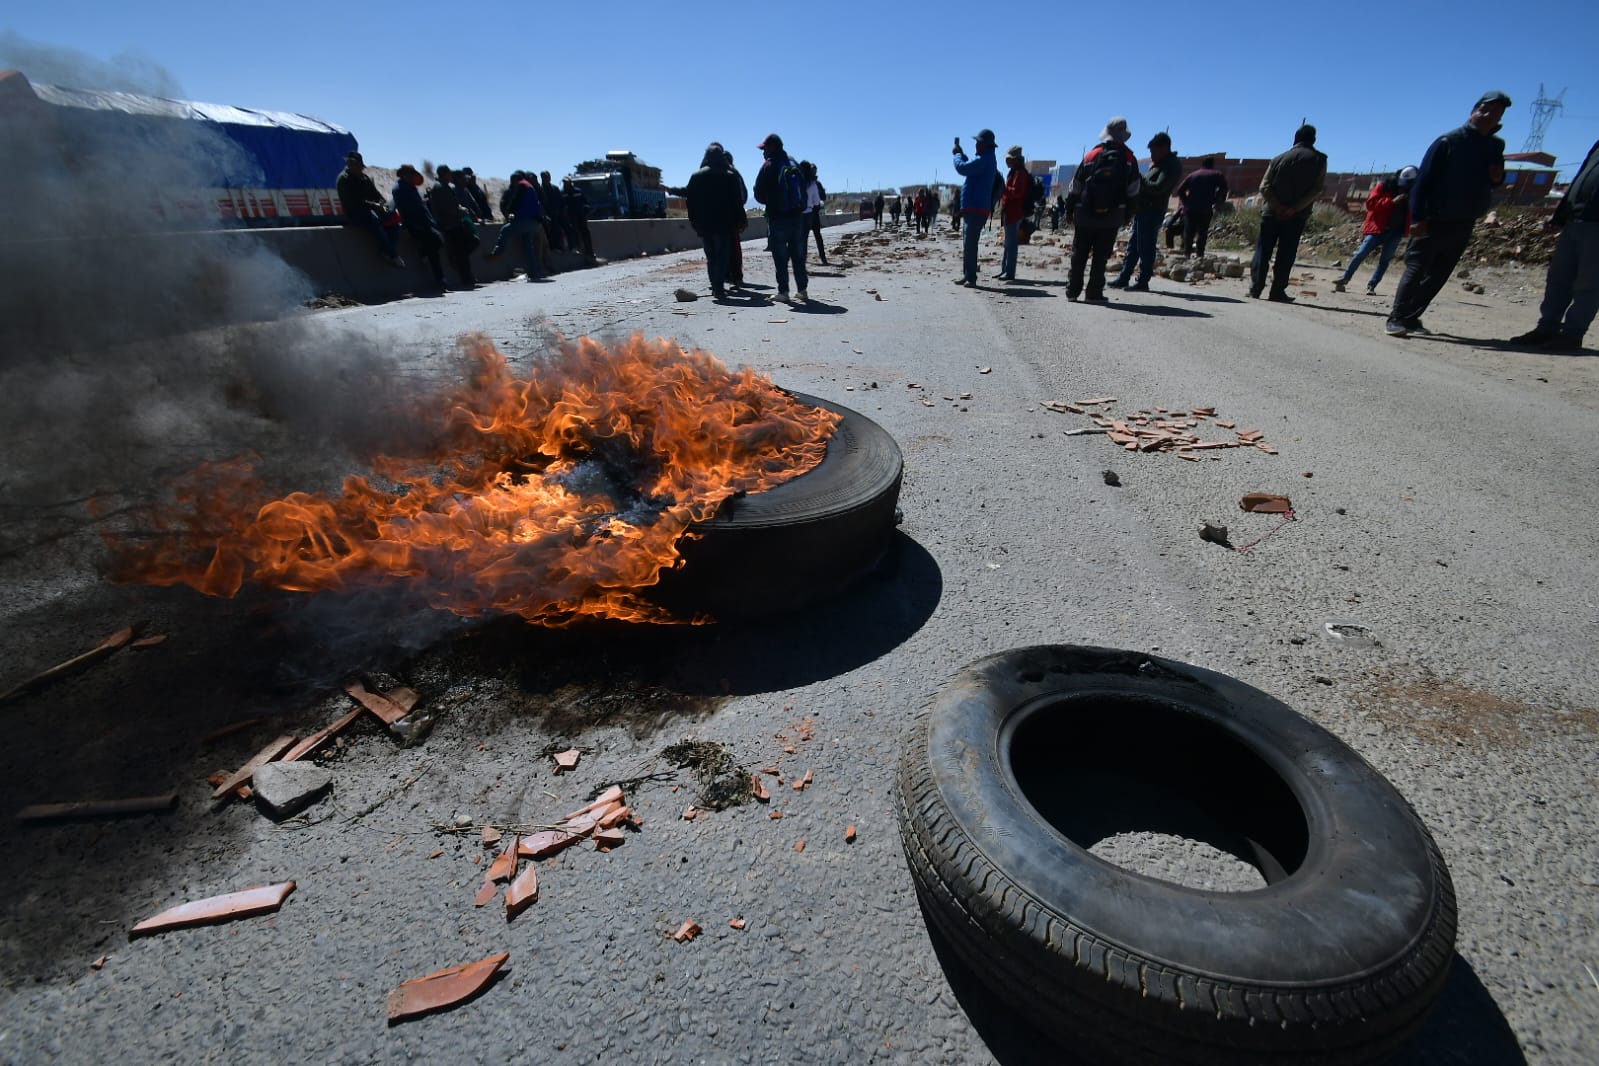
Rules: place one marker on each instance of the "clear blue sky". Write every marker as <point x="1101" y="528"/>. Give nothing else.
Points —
<point x="873" y="96"/>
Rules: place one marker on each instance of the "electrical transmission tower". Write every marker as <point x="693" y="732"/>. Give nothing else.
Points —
<point x="1543" y="112"/>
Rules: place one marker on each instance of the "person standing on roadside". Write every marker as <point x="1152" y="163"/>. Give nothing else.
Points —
<point x="418" y="220"/>
<point x="781" y="189"/>
<point x="1387" y="213"/>
<point x="893" y="211"/>
<point x="1018" y="186"/>
<point x="1571" y="288"/>
<point x="877" y="212"/>
<point x="520" y="206"/>
<point x="1198" y="196"/>
<point x="715" y="210"/>
<point x="467" y="183"/>
<point x="976" y="198"/>
<point x="1102" y="191"/>
<point x="1154" y="190"/>
<point x="577" y="216"/>
<point x="1293" y="181"/>
<point x="815" y="199"/>
<point x="735" y="260"/>
<point x="1453" y="190"/>
<point x="455" y="222"/>
<point x="364" y="207"/>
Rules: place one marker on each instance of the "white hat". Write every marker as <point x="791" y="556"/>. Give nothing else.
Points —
<point x="1408" y="176"/>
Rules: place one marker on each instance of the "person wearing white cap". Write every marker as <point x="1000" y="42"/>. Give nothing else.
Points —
<point x="1102" y="191"/>
<point x="1387" y="216"/>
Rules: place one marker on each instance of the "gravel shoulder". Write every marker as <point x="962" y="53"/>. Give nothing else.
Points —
<point x="1445" y="512"/>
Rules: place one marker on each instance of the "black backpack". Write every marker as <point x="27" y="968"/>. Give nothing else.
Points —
<point x="790" y="188"/>
<point x="1105" y="187"/>
<point x="1035" y="193"/>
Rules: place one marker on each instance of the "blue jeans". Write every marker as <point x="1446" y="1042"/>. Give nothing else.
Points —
<point x="1013" y="240"/>
<point x="520" y="229"/>
<point x="1571" y="293"/>
<point x="974" y="232"/>
<point x="785" y="235"/>
<point x="1389" y="243"/>
<point x="1281" y="234"/>
<point x="1141" y="247"/>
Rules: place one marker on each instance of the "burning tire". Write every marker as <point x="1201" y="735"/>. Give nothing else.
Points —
<point x="801" y="542"/>
<point x="1031" y="756"/>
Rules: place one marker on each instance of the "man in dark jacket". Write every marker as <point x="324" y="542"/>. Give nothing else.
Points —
<point x="780" y="187"/>
<point x="466" y="182"/>
<point x="1198" y="196"/>
<point x="520" y="206"/>
<point x="1154" y="189"/>
<point x="363" y="207"/>
<point x="418" y="220"/>
<point x="877" y="210"/>
<point x="1453" y="190"/>
<point x="1293" y="181"/>
<point x="1571" y="290"/>
<point x="715" y="209"/>
<point x="735" y="261"/>
<point x="455" y="222"/>
<point x="1103" y="188"/>
<point x="976" y="199"/>
<point x="577" y="216"/>
<point x="560" y="236"/>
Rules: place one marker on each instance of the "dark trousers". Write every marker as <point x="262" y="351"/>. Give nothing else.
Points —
<point x="461" y="243"/>
<point x="813" y="223"/>
<point x="1091" y="245"/>
<point x="718" y="250"/>
<point x="1428" y="263"/>
<point x="1279" y="236"/>
<point x="580" y="227"/>
<point x="1141" y="246"/>
<point x="735" y="259"/>
<point x="1196" y="231"/>
<point x="428" y="242"/>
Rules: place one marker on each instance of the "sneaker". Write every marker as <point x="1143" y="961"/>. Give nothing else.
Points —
<point x="800" y="297"/>
<point x="1338" y="286"/>
<point x="1562" y="342"/>
<point x="1142" y="286"/>
<point x="1396" y="329"/>
<point x="1096" y="298"/>
<point x="1277" y="297"/>
<point x="1072" y="296"/>
<point x="782" y="296"/>
<point x="1414" y="325"/>
<point x="1254" y="294"/>
<point x="1537" y="336"/>
<point x="1119" y="283"/>
<point x="1371" y="290"/>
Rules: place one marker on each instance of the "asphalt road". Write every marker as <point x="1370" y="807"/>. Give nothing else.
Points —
<point x="1443" y="494"/>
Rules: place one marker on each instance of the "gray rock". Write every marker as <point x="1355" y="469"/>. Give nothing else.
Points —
<point x="286" y="788"/>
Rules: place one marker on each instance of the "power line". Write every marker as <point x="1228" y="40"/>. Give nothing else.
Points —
<point x="1543" y="112"/>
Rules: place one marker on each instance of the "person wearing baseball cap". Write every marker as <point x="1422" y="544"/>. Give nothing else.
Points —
<point x="1454" y="188"/>
<point x="780" y="187"/>
<point x="977" y="199"/>
<point x="1155" y="189"/>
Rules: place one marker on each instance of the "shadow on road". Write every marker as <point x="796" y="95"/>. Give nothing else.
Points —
<point x="1196" y="297"/>
<point x="813" y="306"/>
<point x="1159" y="310"/>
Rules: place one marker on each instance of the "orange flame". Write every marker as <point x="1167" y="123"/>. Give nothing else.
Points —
<point x="555" y="497"/>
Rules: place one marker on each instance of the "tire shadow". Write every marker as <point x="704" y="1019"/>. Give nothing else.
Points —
<point x="1465" y="1028"/>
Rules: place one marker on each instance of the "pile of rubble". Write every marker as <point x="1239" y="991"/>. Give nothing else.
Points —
<point x="1160" y="430"/>
<point x="1512" y="235"/>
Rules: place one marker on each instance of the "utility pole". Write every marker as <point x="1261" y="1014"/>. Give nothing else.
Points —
<point x="1543" y="112"/>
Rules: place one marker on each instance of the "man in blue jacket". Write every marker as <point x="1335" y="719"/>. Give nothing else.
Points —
<point x="976" y="199"/>
<point x="1454" y="189"/>
<point x="1571" y="291"/>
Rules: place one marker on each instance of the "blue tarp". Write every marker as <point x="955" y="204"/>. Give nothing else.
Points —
<point x="218" y="145"/>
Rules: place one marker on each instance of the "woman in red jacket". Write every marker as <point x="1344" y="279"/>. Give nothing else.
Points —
<point x="1018" y="183"/>
<point x="1387" y="216"/>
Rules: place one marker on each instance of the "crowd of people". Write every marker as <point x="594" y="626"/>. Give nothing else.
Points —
<point x="1435" y="204"/>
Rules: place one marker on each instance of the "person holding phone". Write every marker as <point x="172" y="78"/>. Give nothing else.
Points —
<point x="977" y="199"/>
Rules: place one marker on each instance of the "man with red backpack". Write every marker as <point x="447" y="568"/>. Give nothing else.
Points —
<point x="1102" y="191"/>
<point x="781" y="188"/>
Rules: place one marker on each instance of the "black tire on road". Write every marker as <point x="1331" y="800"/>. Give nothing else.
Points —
<point x="1031" y="756"/>
<point x="799" y="543"/>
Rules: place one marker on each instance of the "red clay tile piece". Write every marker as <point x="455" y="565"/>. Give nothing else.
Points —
<point x="262" y="899"/>
<point x="758" y="787"/>
<point x="606" y="839"/>
<point x="544" y="844"/>
<point x="687" y="931"/>
<point x="799" y="845"/>
<point x="567" y="760"/>
<point x="523" y="893"/>
<point x="149" y="642"/>
<point x="491" y="836"/>
<point x="436" y="991"/>
<point x="615" y="817"/>
<point x="99" y="964"/>
<point x="503" y="868"/>
<point x="377" y="703"/>
<point x="260" y="758"/>
<point x="310" y="744"/>
<point x="736" y="923"/>
<point x="849" y="835"/>
<point x="604" y="799"/>
<point x="485" y="894"/>
<point x="1265" y="503"/>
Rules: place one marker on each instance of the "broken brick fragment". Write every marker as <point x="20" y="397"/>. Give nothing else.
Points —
<point x="849" y="835"/>
<point x="606" y="839"/>
<point x="524" y="891"/>
<point x="759" y="790"/>
<point x="687" y="931"/>
<point x="544" y="844"/>
<point x="446" y="988"/>
<point x="567" y="760"/>
<point x="799" y="845"/>
<point x="263" y="899"/>
<point x="736" y="923"/>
